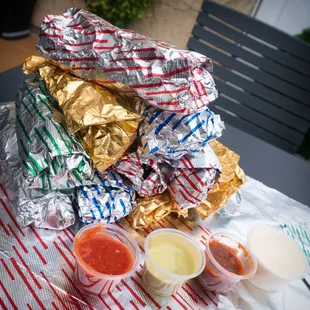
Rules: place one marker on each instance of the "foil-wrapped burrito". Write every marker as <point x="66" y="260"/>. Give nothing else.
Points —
<point x="93" y="49"/>
<point x="106" y="201"/>
<point x="144" y="173"/>
<point x="52" y="158"/>
<point x="105" y="120"/>
<point x="188" y="179"/>
<point x="173" y="135"/>
<point x="193" y="177"/>
<point x="38" y="206"/>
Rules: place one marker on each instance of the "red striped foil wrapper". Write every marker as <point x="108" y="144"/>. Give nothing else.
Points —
<point x="93" y="49"/>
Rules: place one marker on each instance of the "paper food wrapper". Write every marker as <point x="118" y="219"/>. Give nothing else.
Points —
<point x="232" y="178"/>
<point x="105" y="121"/>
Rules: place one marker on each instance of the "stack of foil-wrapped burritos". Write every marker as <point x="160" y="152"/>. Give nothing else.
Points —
<point x="113" y="123"/>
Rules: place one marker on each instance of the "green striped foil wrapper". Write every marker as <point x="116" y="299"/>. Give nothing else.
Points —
<point x="51" y="157"/>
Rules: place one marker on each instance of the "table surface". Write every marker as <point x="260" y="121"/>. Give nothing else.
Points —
<point x="274" y="167"/>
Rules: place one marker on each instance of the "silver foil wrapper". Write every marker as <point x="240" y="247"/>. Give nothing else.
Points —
<point x="173" y="135"/>
<point x="107" y="201"/>
<point x="144" y="173"/>
<point x="194" y="177"/>
<point x="93" y="49"/>
<point x="188" y="178"/>
<point x="52" y="158"/>
<point x="32" y="206"/>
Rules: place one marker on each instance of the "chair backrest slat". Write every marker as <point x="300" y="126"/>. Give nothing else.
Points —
<point x="263" y="82"/>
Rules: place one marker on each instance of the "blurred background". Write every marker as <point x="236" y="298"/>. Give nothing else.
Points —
<point x="168" y="20"/>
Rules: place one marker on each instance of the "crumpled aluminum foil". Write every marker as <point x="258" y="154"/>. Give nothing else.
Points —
<point x="52" y="158"/>
<point x="108" y="200"/>
<point x="143" y="172"/>
<point x="52" y="209"/>
<point x="194" y="178"/>
<point x="93" y="49"/>
<point x="104" y="120"/>
<point x="42" y="208"/>
<point x="188" y="179"/>
<point x="173" y="135"/>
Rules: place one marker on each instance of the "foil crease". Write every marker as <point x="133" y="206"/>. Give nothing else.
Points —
<point x="107" y="201"/>
<point x="32" y="206"/>
<point x="144" y="174"/>
<point x="191" y="183"/>
<point x="51" y="157"/>
<point x="173" y="135"/>
<point x="230" y="181"/>
<point x="150" y="210"/>
<point x="93" y="49"/>
<point x="105" y="120"/>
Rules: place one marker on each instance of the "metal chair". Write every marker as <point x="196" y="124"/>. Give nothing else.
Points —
<point x="261" y="73"/>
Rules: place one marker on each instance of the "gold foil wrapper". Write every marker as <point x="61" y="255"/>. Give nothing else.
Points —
<point x="152" y="209"/>
<point x="105" y="121"/>
<point x="231" y="179"/>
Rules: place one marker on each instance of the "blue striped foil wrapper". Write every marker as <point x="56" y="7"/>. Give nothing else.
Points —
<point x="52" y="158"/>
<point x="107" y="201"/>
<point x="173" y="135"/>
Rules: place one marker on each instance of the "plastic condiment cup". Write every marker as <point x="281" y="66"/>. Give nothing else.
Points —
<point x="96" y="282"/>
<point x="217" y="278"/>
<point x="280" y="259"/>
<point x="160" y="281"/>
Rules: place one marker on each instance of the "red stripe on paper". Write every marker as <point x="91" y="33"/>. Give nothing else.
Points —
<point x="115" y="301"/>
<point x="29" y="307"/>
<point x="63" y="255"/>
<point x="126" y="68"/>
<point x="7" y="269"/>
<point x="4" y="307"/>
<point x="71" y="232"/>
<point x="147" y="49"/>
<point x="11" y="216"/>
<point x="50" y="35"/>
<point x="66" y="246"/>
<point x="27" y="284"/>
<point x="185" y="300"/>
<point x="36" y="282"/>
<point x="197" y="295"/>
<point x="54" y="290"/>
<point x="165" y="219"/>
<point x="40" y="255"/>
<point x="18" y="239"/>
<point x="4" y="191"/>
<point x="76" y="288"/>
<point x="134" y="305"/>
<point x="190" y="228"/>
<point x="206" y="230"/>
<point x="179" y="302"/>
<point x="39" y="238"/>
<point x="190" y="295"/>
<point x="106" y="31"/>
<point x="108" y="307"/>
<point x="74" y="44"/>
<point x="69" y="237"/>
<point x="4" y="228"/>
<point x="146" y="293"/>
<point x="8" y="296"/>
